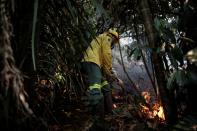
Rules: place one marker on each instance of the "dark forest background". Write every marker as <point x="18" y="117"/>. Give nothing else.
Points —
<point x="41" y="45"/>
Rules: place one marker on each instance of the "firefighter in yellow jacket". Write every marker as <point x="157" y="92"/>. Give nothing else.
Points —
<point x="97" y="65"/>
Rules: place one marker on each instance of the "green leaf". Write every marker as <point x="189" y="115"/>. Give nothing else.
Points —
<point x="170" y="81"/>
<point x="164" y="30"/>
<point x="181" y="77"/>
<point x="137" y="54"/>
<point x="168" y="35"/>
<point x="160" y="24"/>
<point x="172" y="60"/>
<point x="157" y="23"/>
<point x="177" y="54"/>
<point x="135" y="45"/>
<point x="131" y="53"/>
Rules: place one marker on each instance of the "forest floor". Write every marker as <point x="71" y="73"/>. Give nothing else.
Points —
<point x="129" y="114"/>
<point x="125" y="117"/>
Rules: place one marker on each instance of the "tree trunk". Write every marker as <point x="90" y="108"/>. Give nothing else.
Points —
<point x="165" y="96"/>
<point x="13" y="106"/>
<point x="22" y="21"/>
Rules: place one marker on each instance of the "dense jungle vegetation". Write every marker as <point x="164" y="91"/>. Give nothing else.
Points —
<point x="41" y="45"/>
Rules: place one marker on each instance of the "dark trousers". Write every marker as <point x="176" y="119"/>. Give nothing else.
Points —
<point x="94" y="75"/>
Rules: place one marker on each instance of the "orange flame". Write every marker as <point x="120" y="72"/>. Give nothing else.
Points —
<point x="152" y="112"/>
<point x="158" y="111"/>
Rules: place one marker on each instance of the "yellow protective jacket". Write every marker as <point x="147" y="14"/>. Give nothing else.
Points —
<point x="99" y="52"/>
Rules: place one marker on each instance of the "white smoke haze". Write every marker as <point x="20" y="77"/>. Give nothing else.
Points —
<point x="135" y="68"/>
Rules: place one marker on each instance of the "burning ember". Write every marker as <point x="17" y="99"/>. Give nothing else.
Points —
<point x="151" y="112"/>
<point x="158" y="111"/>
<point x="114" y="106"/>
